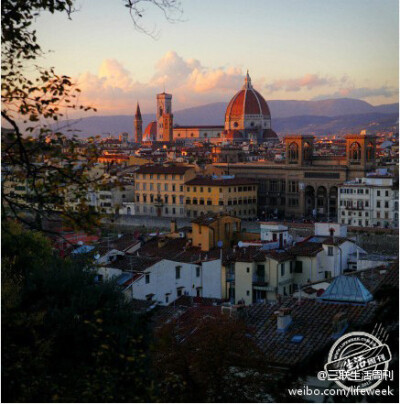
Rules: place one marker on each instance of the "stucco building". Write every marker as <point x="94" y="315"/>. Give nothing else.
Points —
<point x="221" y="194"/>
<point x="160" y="190"/>
<point x="369" y="201"/>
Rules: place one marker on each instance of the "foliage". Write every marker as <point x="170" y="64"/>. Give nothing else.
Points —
<point x="55" y="169"/>
<point x="65" y="337"/>
<point x="212" y="359"/>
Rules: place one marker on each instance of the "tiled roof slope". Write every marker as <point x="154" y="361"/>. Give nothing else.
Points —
<point x="311" y="319"/>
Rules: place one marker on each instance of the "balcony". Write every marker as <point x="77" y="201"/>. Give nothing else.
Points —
<point x="259" y="280"/>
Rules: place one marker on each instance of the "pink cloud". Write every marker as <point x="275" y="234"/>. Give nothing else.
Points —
<point x="113" y="90"/>
<point x="308" y="81"/>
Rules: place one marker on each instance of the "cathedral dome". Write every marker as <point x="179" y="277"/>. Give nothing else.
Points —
<point x="247" y="103"/>
<point x="150" y="132"/>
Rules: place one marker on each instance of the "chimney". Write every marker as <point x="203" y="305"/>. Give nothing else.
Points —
<point x="173" y="226"/>
<point x="161" y="242"/>
<point x="284" y="319"/>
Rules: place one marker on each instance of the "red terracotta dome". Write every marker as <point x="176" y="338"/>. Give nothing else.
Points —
<point x="247" y="101"/>
<point x="150" y="132"/>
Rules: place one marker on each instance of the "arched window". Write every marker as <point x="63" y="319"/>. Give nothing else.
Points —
<point x="307" y="151"/>
<point x="370" y="152"/>
<point x="355" y="152"/>
<point x="293" y="152"/>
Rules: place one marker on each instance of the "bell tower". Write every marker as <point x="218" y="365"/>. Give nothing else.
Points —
<point x="360" y="152"/>
<point x="164" y="117"/>
<point x="299" y="149"/>
<point x="138" y="125"/>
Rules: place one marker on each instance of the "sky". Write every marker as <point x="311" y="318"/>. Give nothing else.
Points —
<point x="293" y="49"/>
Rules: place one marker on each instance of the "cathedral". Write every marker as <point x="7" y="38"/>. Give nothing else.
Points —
<point x="247" y="119"/>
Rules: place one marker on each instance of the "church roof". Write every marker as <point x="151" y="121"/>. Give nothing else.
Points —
<point x="347" y="289"/>
<point x="247" y="101"/>
<point x="151" y="129"/>
<point x="138" y="114"/>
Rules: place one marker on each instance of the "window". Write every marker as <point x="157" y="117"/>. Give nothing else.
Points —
<point x="178" y="272"/>
<point x="166" y="298"/>
<point x="330" y="251"/>
<point x="248" y="293"/>
<point x="283" y="269"/>
<point x="248" y="270"/>
<point x="293" y="186"/>
<point x="147" y="278"/>
<point x="378" y="193"/>
<point x="378" y="204"/>
<point x="197" y="272"/>
<point x="293" y="152"/>
<point x="179" y="291"/>
<point x="298" y="269"/>
<point x="173" y="187"/>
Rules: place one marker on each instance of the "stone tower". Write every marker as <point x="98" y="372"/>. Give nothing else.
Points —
<point x="138" y="123"/>
<point x="164" y="117"/>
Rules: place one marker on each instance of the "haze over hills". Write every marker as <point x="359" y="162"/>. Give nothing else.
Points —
<point x="288" y="116"/>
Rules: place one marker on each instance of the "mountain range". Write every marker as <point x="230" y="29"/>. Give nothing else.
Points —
<point x="321" y="117"/>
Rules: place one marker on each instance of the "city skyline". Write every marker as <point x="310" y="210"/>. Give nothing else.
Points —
<point x="339" y="49"/>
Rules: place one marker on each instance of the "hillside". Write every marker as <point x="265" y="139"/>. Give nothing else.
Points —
<point x="288" y="116"/>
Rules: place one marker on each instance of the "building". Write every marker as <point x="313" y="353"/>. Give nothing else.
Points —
<point x="162" y="270"/>
<point x="247" y="119"/>
<point x="369" y="201"/>
<point x="217" y="194"/>
<point x="304" y="184"/>
<point x="214" y="231"/>
<point x="111" y="198"/>
<point x="164" y="117"/>
<point x="138" y="125"/>
<point x="160" y="189"/>
<point x="261" y="273"/>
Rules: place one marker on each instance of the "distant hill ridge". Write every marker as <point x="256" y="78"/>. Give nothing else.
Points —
<point x="318" y="117"/>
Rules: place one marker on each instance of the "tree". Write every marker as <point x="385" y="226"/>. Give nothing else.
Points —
<point x="65" y="337"/>
<point x="52" y="169"/>
<point x="209" y="357"/>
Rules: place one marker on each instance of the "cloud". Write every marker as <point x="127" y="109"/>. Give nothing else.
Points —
<point x="113" y="89"/>
<point x="362" y="92"/>
<point x="308" y="81"/>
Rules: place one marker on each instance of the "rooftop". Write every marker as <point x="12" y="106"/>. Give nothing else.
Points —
<point x="212" y="181"/>
<point x="159" y="169"/>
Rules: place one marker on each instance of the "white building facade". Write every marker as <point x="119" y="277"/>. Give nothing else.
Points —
<point x="370" y="201"/>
